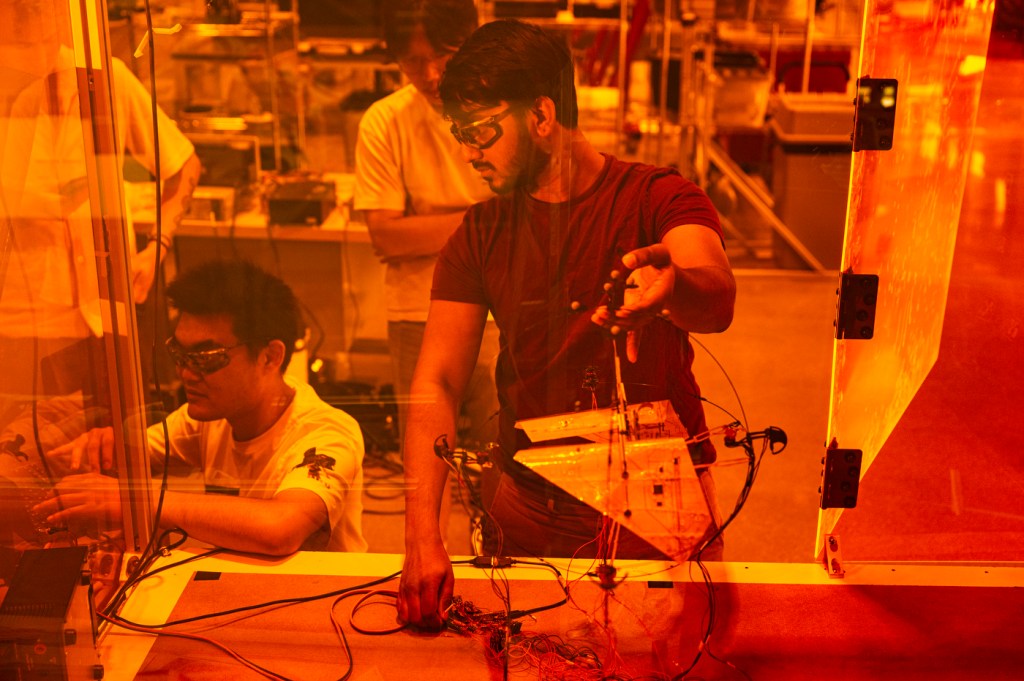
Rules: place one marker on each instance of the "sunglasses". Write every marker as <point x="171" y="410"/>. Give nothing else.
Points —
<point x="480" y="134"/>
<point x="199" y="361"/>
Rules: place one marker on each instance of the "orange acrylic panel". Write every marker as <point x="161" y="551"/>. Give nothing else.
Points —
<point x="903" y="211"/>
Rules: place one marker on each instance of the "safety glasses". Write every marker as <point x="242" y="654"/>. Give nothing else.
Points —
<point x="199" y="361"/>
<point x="480" y="134"/>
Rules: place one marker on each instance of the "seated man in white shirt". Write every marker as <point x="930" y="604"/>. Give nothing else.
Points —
<point x="282" y="469"/>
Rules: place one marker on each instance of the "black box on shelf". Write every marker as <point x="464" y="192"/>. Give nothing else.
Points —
<point x="301" y="202"/>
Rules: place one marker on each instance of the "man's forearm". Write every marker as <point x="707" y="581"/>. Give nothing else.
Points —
<point x="703" y="299"/>
<point x="450" y="347"/>
<point x="238" y="523"/>
<point x="411" y="236"/>
<point x="425" y="473"/>
<point x="176" y="197"/>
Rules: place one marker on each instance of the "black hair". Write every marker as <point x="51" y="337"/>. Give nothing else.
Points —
<point x="512" y="61"/>
<point x="446" y="23"/>
<point x="261" y="306"/>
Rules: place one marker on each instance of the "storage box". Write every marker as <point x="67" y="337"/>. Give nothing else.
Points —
<point x="304" y="202"/>
<point x="812" y="117"/>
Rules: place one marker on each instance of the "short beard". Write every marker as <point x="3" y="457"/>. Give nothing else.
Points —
<point x="527" y="163"/>
<point x="534" y="162"/>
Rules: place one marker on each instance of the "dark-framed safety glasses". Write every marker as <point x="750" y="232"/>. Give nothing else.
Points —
<point x="199" y="361"/>
<point x="480" y="134"/>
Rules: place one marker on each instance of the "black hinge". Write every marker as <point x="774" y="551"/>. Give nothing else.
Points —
<point x="855" y="311"/>
<point x="874" y="117"/>
<point x="840" y="477"/>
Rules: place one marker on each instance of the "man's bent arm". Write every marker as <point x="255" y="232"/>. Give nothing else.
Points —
<point x="396" y="236"/>
<point x="275" y="527"/>
<point x="177" y="193"/>
<point x="175" y="199"/>
<point x="704" y="295"/>
<point x="450" y="346"/>
<point x="687" y="275"/>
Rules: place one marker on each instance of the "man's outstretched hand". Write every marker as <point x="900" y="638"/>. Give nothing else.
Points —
<point x="648" y="289"/>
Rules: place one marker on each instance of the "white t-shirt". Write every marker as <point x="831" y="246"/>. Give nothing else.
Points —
<point x="312" y="446"/>
<point x="50" y="288"/>
<point x="407" y="160"/>
<point x="134" y="115"/>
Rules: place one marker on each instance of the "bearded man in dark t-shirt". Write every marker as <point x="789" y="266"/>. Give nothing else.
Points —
<point x="537" y="258"/>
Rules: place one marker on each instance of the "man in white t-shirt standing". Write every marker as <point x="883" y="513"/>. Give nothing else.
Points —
<point x="282" y="470"/>
<point x="414" y="187"/>
<point x="50" y="272"/>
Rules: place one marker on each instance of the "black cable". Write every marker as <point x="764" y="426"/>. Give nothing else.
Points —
<point x="158" y="628"/>
<point x="518" y="614"/>
<point x="346" y="284"/>
<point x="392" y="468"/>
<point x="138" y="578"/>
<point x="513" y="562"/>
<point x="351" y="591"/>
<point x="140" y="572"/>
<point x="753" y="465"/>
<point x="35" y="368"/>
<point x="203" y="639"/>
<point x="344" y="642"/>
<point x="457" y="460"/>
<point x="266" y="604"/>
<point x="359" y="604"/>
<point x="478" y="622"/>
<point x="752" y="468"/>
<point x="728" y="379"/>
<point x="321" y="335"/>
<point x="510" y="614"/>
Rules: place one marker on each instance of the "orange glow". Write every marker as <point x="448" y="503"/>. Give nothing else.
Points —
<point x="903" y="212"/>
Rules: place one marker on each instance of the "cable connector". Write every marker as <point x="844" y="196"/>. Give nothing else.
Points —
<point x="491" y="562"/>
<point x="731" y="431"/>
<point x="441" y="448"/>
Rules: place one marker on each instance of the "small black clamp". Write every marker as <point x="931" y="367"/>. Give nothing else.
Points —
<point x="840" y="477"/>
<point x="874" y="117"/>
<point x="855" y="313"/>
<point x="606" y="573"/>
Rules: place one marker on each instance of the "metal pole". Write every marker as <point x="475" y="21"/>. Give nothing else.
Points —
<point x="773" y="58"/>
<point x="275" y="118"/>
<point x="762" y="204"/>
<point x="300" y="89"/>
<point x="687" y="130"/>
<point x="705" y="81"/>
<point x="808" y="47"/>
<point x="666" y="48"/>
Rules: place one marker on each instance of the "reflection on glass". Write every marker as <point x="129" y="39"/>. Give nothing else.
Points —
<point x="53" y="348"/>
<point x="904" y="209"/>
